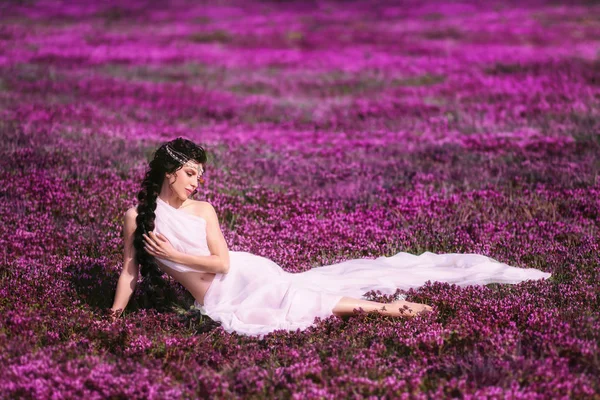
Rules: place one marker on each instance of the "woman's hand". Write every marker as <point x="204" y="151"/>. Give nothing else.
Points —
<point x="159" y="246"/>
<point x="114" y="314"/>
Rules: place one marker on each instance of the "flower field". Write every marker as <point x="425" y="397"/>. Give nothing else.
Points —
<point x="334" y="130"/>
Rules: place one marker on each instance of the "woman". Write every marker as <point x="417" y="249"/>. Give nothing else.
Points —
<point x="252" y="295"/>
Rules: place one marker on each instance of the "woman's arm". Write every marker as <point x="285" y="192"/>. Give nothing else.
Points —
<point x="130" y="272"/>
<point x="214" y="238"/>
<point x="212" y="264"/>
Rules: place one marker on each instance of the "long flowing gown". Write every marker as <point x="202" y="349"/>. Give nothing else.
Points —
<point x="257" y="296"/>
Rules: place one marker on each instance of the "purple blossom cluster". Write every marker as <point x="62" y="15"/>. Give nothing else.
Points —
<point x="334" y="130"/>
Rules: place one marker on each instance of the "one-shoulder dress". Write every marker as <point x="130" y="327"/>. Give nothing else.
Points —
<point x="257" y="296"/>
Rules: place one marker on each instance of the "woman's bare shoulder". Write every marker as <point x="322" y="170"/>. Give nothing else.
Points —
<point x="130" y="223"/>
<point x="131" y="214"/>
<point x="204" y="208"/>
<point x="204" y="205"/>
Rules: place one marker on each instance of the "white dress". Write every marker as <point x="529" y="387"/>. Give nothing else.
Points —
<point x="257" y="296"/>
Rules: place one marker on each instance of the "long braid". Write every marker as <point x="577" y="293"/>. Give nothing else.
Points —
<point x="154" y="286"/>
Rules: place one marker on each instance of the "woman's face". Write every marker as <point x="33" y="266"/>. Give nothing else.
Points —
<point x="185" y="180"/>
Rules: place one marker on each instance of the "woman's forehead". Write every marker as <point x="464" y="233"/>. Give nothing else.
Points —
<point x="191" y="164"/>
<point x="194" y="165"/>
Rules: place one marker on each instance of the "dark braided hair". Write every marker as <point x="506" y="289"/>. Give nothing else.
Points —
<point x="155" y="289"/>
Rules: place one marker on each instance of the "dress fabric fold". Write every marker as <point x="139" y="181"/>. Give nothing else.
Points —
<point x="257" y="296"/>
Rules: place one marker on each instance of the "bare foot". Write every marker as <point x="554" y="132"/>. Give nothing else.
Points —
<point x="407" y="309"/>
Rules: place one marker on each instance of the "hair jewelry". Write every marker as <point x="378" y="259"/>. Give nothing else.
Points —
<point x="182" y="158"/>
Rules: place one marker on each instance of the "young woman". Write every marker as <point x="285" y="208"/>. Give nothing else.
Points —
<point x="252" y="295"/>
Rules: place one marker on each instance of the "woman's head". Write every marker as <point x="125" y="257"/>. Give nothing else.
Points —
<point x="176" y="166"/>
<point x="184" y="181"/>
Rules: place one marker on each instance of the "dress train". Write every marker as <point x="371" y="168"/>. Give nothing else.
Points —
<point x="257" y="296"/>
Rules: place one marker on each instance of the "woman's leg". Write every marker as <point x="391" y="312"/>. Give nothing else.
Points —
<point x="346" y="306"/>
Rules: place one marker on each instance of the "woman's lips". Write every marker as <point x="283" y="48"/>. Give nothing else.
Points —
<point x="189" y="191"/>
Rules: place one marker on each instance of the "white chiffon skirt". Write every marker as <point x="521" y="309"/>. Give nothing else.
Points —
<point x="257" y="296"/>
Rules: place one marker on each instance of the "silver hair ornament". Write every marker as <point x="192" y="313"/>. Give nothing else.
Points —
<point x="182" y="158"/>
<point x="177" y="155"/>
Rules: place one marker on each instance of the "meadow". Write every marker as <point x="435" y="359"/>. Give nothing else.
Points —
<point x="334" y="130"/>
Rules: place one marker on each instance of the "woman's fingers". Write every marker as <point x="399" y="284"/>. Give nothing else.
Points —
<point x="153" y="243"/>
<point x="149" y="241"/>
<point x="160" y="237"/>
<point x="153" y="239"/>
<point x="149" y="246"/>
